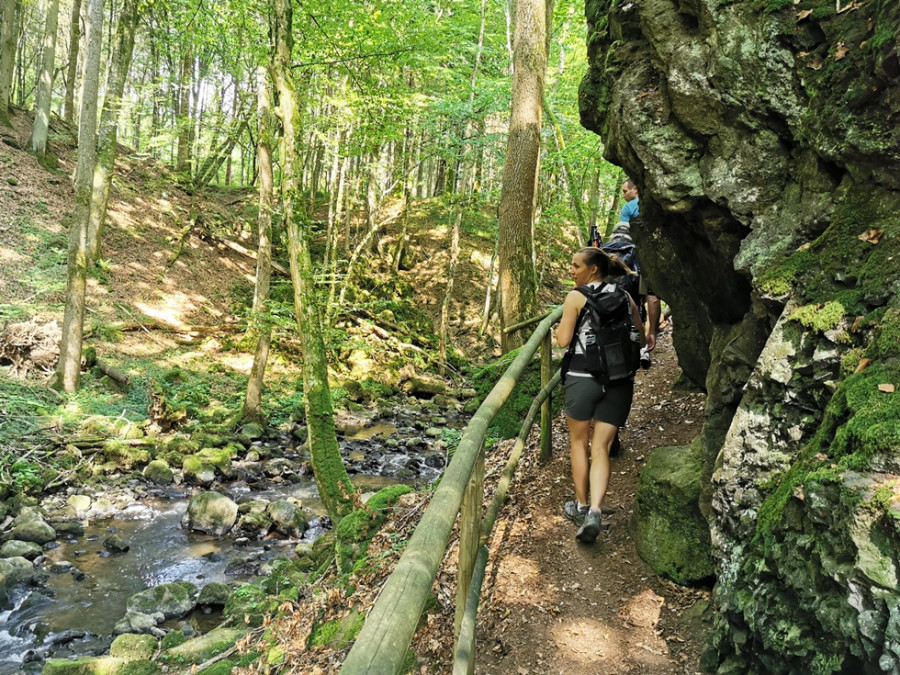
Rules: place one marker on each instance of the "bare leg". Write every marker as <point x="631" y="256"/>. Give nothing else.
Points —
<point x="579" y="435"/>
<point x="599" y="473"/>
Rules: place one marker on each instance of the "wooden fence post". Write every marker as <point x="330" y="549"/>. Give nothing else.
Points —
<point x="546" y="431"/>
<point x="469" y="538"/>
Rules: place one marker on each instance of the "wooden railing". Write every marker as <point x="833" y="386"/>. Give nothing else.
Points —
<point x="388" y="631"/>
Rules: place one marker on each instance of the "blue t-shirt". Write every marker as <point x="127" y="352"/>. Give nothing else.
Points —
<point x="630" y="210"/>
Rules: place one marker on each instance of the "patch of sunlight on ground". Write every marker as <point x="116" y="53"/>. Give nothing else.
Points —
<point x="240" y="363"/>
<point x="141" y="345"/>
<point x="586" y="640"/>
<point x="528" y="577"/>
<point x="7" y="255"/>
<point x="482" y="258"/>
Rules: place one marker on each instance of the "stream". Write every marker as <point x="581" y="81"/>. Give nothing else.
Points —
<point x="74" y="611"/>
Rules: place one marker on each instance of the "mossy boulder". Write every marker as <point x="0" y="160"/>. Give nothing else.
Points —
<point x="287" y="517"/>
<point x="159" y="472"/>
<point x="13" y="572"/>
<point x="133" y="647"/>
<point x="126" y="457"/>
<point x="85" y="665"/>
<point x="670" y="532"/>
<point x="30" y="525"/>
<point x="20" y="549"/>
<point x="210" y="512"/>
<point x="173" y="600"/>
<point x="214" y="594"/>
<point x="203" y="648"/>
<point x="202" y="467"/>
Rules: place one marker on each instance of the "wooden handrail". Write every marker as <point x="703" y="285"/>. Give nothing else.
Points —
<point x="387" y="633"/>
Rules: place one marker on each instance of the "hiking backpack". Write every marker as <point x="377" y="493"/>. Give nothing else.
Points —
<point x="614" y="352"/>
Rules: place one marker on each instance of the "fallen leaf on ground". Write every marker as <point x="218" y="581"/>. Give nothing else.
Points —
<point x="871" y="235"/>
<point x="840" y="52"/>
<point x="886" y="388"/>
<point x="863" y="364"/>
<point x="803" y="14"/>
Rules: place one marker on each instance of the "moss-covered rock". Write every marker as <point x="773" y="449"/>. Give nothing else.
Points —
<point x="203" y="648"/>
<point x="172" y="639"/>
<point x="214" y="594"/>
<point x="125" y="457"/>
<point x="173" y="600"/>
<point x="85" y="665"/>
<point x="132" y="647"/>
<point x="210" y="512"/>
<point x="159" y="472"/>
<point x="670" y="532"/>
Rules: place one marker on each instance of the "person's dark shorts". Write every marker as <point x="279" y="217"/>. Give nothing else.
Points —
<point x="587" y="399"/>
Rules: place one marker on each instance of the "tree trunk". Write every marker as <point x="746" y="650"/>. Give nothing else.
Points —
<point x="518" y="282"/>
<point x="448" y="293"/>
<point x="574" y="192"/>
<point x="183" y="158"/>
<point x="45" y="82"/>
<point x="334" y="485"/>
<point x="69" y="368"/>
<point x="72" y="69"/>
<point x="253" y="400"/>
<point x="107" y="142"/>
<point x="8" y="36"/>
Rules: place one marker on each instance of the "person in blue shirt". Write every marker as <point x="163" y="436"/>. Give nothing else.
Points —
<point x="631" y="209"/>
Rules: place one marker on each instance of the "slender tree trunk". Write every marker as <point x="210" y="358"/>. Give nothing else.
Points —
<point x="518" y="281"/>
<point x="448" y="292"/>
<point x="72" y="68"/>
<point x="567" y="175"/>
<point x="107" y="142"/>
<point x="334" y="485"/>
<point x="183" y="157"/>
<point x="45" y="82"/>
<point x="8" y="35"/>
<point x="69" y="368"/>
<point x="261" y="327"/>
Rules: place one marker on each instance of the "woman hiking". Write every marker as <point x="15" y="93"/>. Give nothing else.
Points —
<point x="587" y="399"/>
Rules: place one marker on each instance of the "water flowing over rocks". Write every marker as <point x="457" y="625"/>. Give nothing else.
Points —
<point x="764" y="138"/>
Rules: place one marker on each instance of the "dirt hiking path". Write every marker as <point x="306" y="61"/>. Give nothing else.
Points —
<point x="553" y="605"/>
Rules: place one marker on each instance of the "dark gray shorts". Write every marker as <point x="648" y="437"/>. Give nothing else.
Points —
<point x="587" y="399"/>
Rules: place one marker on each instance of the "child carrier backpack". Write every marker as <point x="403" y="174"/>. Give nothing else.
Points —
<point x="613" y="351"/>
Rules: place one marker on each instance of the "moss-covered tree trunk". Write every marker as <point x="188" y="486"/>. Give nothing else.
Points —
<point x="261" y="327"/>
<point x="334" y="485"/>
<point x="45" y="82"/>
<point x="69" y="368"/>
<point x="72" y="68"/>
<point x="8" y="34"/>
<point x="518" y="278"/>
<point x="107" y="141"/>
<point x="183" y="113"/>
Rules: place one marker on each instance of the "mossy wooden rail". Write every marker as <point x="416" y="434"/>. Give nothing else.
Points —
<point x="384" y="640"/>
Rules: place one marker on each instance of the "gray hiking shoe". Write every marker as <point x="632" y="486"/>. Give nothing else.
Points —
<point x="573" y="513"/>
<point x="591" y="527"/>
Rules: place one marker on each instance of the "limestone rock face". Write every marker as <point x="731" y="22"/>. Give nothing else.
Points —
<point x="210" y="512"/>
<point x="765" y="142"/>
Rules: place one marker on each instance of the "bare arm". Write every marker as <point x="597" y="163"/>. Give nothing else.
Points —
<point x="652" y="320"/>
<point x="571" y="309"/>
